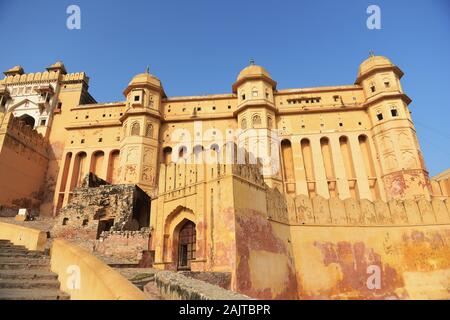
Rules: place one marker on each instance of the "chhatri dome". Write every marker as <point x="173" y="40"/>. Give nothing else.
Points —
<point x="143" y="78"/>
<point x="374" y="62"/>
<point x="253" y="71"/>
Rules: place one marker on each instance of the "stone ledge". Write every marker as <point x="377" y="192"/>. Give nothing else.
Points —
<point x="175" y="286"/>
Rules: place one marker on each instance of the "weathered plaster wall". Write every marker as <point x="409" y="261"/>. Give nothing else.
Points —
<point x="331" y="263"/>
<point x="265" y="266"/>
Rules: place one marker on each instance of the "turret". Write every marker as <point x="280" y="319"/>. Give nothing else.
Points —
<point x="256" y="118"/>
<point x="140" y="131"/>
<point x="394" y="136"/>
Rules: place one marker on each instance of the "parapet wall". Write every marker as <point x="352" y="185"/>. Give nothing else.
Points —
<point x="302" y="210"/>
<point x="23" y="164"/>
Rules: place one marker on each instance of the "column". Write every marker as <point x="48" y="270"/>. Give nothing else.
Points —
<point x="358" y="163"/>
<point x="339" y="167"/>
<point x="319" y="168"/>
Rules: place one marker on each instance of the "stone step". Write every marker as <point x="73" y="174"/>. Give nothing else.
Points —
<point x="4" y="242"/>
<point x="26" y="259"/>
<point x="29" y="284"/>
<point x="33" y="294"/>
<point x="35" y="265"/>
<point x="14" y="250"/>
<point x="11" y="246"/>
<point x="21" y="254"/>
<point x="26" y="274"/>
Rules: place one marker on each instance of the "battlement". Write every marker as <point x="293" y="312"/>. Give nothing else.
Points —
<point x="203" y="167"/>
<point x="43" y="77"/>
<point x="75" y="77"/>
<point x="302" y="210"/>
<point x="22" y="133"/>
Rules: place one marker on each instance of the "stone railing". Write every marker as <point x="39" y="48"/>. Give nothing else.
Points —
<point x="32" y="239"/>
<point x="85" y="277"/>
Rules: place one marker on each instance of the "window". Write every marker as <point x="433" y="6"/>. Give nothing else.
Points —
<point x="229" y="107"/>
<point x="244" y="124"/>
<point x="372" y="88"/>
<point x="254" y="92"/>
<point x="380" y="116"/>
<point x="135" y="129"/>
<point x="336" y="98"/>
<point x="243" y="97"/>
<point x="82" y="140"/>
<point x="199" y="109"/>
<point x="100" y="139"/>
<point x="42" y="122"/>
<point x="214" y="108"/>
<point x="394" y="112"/>
<point x="256" y="120"/>
<point x="149" y="130"/>
<point x="387" y="84"/>
<point x="136" y="98"/>
<point x="341" y="124"/>
<point x="269" y="122"/>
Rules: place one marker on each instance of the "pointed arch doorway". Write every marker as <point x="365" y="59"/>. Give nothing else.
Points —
<point x="186" y="245"/>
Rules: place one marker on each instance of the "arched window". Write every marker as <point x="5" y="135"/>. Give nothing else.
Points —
<point x="243" y="124"/>
<point x="135" y="129"/>
<point x="269" y="123"/>
<point x="149" y="130"/>
<point x="394" y="111"/>
<point x="256" y="120"/>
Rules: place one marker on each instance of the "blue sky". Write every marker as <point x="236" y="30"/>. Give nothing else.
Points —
<point x="199" y="47"/>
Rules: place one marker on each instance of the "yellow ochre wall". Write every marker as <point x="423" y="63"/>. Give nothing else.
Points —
<point x="97" y="281"/>
<point x="32" y="239"/>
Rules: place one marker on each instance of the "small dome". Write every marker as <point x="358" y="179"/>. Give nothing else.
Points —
<point x="14" y="70"/>
<point x="145" y="78"/>
<point x="58" y="65"/>
<point x="372" y="62"/>
<point x="251" y="71"/>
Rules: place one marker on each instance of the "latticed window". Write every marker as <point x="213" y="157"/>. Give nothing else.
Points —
<point x="135" y="129"/>
<point x="149" y="130"/>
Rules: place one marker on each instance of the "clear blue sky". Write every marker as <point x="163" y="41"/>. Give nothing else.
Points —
<point x="199" y="46"/>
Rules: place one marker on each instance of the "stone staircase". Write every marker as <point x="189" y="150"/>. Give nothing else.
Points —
<point x="26" y="275"/>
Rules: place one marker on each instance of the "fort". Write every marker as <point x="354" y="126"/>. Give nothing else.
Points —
<point x="184" y="182"/>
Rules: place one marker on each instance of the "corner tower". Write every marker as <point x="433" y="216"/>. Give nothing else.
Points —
<point x="256" y="115"/>
<point x="140" y="132"/>
<point x="398" y="152"/>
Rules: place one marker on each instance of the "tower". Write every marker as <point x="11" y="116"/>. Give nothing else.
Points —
<point x="140" y="132"/>
<point x="255" y="114"/>
<point x="398" y="152"/>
